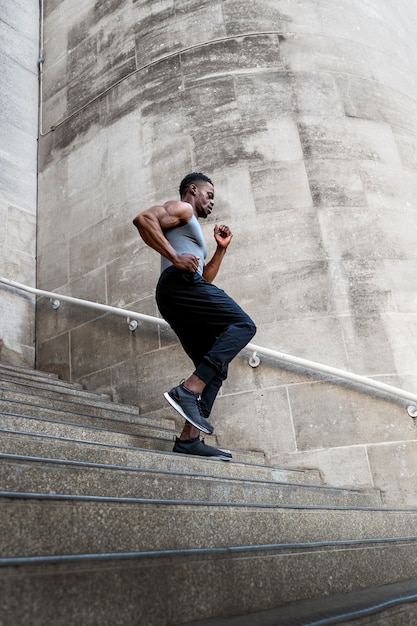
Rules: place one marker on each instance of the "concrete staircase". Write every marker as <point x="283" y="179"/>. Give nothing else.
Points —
<point x="102" y="524"/>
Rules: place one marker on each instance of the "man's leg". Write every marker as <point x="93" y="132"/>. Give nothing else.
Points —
<point x="212" y="329"/>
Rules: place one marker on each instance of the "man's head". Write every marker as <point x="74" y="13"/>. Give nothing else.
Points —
<point x="193" y="178"/>
<point x="197" y="189"/>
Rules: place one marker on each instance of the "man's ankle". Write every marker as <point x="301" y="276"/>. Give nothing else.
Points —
<point x="194" y="384"/>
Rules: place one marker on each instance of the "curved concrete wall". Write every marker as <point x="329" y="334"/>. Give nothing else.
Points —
<point x="305" y="116"/>
<point x="19" y="51"/>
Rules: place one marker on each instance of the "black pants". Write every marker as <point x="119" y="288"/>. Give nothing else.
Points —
<point x="211" y="327"/>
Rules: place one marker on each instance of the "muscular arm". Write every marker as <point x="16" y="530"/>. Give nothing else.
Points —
<point x="151" y="224"/>
<point x="223" y="237"/>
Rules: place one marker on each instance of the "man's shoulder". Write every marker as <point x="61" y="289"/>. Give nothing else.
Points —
<point x="179" y="208"/>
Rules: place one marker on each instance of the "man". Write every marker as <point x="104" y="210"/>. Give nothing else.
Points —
<point x="211" y="327"/>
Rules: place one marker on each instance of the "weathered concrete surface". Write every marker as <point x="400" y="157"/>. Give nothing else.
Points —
<point x="305" y="116"/>
<point x="19" y="51"/>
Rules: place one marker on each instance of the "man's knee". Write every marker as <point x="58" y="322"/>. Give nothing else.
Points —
<point x="249" y="328"/>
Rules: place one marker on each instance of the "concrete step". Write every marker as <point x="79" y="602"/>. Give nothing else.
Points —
<point x="53" y="389"/>
<point x="48" y="446"/>
<point x="38" y="379"/>
<point x="150" y="432"/>
<point x="15" y="370"/>
<point x="140" y="435"/>
<point x="36" y="474"/>
<point x="157" y="428"/>
<point x="65" y="391"/>
<point x="37" y="524"/>
<point x="44" y="389"/>
<point x="164" y="588"/>
<point x="111" y="419"/>
<point x="25" y="381"/>
<point x="143" y="433"/>
<point x="387" y="605"/>
<point x="74" y="403"/>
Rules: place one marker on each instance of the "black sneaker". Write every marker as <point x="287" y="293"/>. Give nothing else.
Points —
<point x="199" y="448"/>
<point x="187" y="404"/>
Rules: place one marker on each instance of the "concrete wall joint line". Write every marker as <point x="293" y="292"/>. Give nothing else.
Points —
<point x="294" y="434"/>
<point x="368" y="463"/>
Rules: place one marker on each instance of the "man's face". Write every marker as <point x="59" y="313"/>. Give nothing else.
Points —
<point x="204" y="199"/>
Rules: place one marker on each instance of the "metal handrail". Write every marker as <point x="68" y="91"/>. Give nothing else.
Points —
<point x="133" y="317"/>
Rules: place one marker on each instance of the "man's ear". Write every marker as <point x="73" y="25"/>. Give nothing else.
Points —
<point x="193" y="189"/>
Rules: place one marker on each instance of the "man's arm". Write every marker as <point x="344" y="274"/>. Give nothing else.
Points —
<point x="151" y="224"/>
<point x="223" y="237"/>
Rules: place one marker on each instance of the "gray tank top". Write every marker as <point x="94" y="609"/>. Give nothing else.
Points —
<point x="188" y="238"/>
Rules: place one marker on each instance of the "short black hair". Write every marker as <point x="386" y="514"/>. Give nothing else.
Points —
<point x="193" y="177"/>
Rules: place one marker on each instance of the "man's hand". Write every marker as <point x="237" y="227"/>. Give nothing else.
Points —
<point x="187" y="262"/>
<point x="223" y="235"/>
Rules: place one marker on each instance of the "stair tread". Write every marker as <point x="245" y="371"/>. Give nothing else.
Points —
<point x="167" y="586"/>
<point x="20" y="369"/>
<point x="65" y="476"/>
<point x="326" y="610"/>
<point x="68" y="524"/>
<point x="82" y="449"/>
<point x="28" y="409"/>
<point x="141" y="426"/>
<point x="68" y="401"/>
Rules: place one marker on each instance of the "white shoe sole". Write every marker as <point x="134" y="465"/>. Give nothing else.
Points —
<point x="178" y="408"/>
